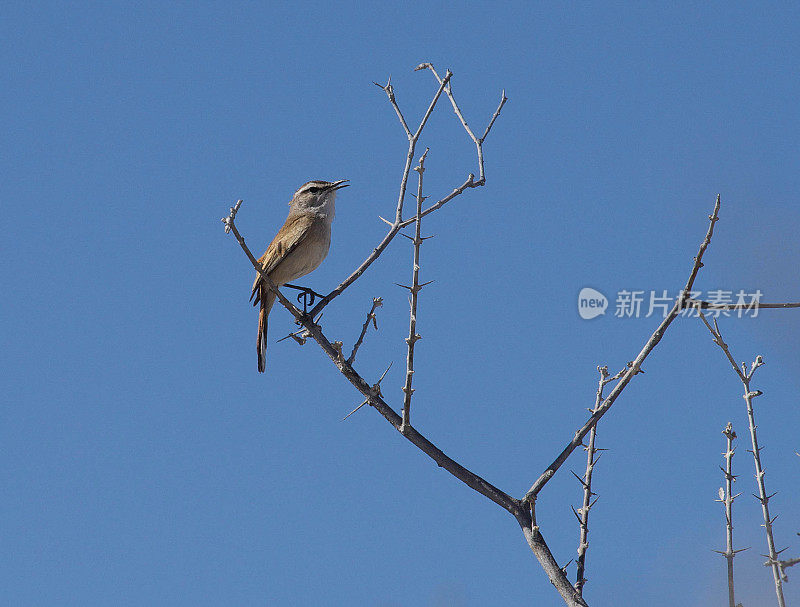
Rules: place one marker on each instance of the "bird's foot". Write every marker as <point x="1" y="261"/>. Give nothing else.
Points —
<point x="306" y="296"/>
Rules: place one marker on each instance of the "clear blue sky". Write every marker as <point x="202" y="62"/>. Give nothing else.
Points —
<point x="145" y="462"/>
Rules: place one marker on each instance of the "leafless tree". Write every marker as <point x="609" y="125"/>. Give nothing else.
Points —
<point x="523" y="508"/>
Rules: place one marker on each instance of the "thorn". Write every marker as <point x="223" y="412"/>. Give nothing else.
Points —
<point x="354" y="410"/>
<point x="386" y="221"/>
<point x="384" y="373"/>
<point x="580" y="480"/>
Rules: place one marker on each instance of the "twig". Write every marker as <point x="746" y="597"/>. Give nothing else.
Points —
<point x="705" y="305"/>
<point x="726" y="497"/>
<point x="230" y="226"/>
<point x="377" y="302"/>
<point x="397" y="224"/>
<point x="586" y="482"/>
<point x="415" y="288"/>
<point x="478" y="142"/>
<point x="745" y="376"/>
<point x="786" y="563"/>
<point x="634" y="367"/>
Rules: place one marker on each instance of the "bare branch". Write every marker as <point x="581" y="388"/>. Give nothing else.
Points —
<point x="745" y="376"/>
<point x="478" y="142"/>
<point x="533" y="535"/>
<point x="389" y="90"/>
<point x="469" y="183"/>
<point x="466" y="476"/>
<point x="415" y="289"/>
<point x="634" y="367"/>
<point x="704" y="305"/>
<point x="727" y="497"/>
<point x="583" y="519"/>
<point x="784" y="565"/>
<point x="489" y="126"/>
<point x="395" y="227"/>
<point x="377" y="302"/>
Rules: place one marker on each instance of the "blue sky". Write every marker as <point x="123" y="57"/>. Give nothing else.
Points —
<point x="144" y="459"/>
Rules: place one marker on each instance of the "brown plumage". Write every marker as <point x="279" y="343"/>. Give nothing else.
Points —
<point x="297" y="249"/>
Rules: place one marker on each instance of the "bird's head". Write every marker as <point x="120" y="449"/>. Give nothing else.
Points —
<point x="316" y="195"/>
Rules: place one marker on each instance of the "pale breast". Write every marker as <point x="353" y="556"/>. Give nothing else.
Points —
<point x="307" y="256"/>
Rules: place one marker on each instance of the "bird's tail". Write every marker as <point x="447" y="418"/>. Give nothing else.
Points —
<point x="267" y="298"/>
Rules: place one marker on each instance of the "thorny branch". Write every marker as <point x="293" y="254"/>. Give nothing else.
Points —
<point x="634" y="367"/>
<point x="533" y="534"/>
<point x="583" y="513"/>
<point x="414" y="289"/>
<point x="399" y="222"/>
<point x="726" y="497"/>
<point x="377" y="302"/>
<point x="745" y="376"/>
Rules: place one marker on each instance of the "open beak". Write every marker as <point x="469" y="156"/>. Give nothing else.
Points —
<point x="338" y="185"/>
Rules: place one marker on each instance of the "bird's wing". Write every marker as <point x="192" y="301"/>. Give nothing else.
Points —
<point x="288" y="238"/>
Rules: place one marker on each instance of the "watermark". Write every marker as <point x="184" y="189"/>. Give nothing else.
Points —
<point x="644" y="304"/>
<point x="591" y="303"/>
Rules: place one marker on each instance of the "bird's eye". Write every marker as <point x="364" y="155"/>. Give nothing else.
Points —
<point x="313" y="190"/>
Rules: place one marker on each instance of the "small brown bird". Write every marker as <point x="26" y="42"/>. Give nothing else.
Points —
<point x="297" y="249"/>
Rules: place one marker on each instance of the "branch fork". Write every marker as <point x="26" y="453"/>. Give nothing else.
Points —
<point x="745" y="376"/>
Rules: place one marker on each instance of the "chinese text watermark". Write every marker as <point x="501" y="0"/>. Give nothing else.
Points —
<point x="644" y="304"/>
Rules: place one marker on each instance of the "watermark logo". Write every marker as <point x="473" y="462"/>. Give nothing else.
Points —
<point x="644" y="304"/>
<point x="591" y="303"/>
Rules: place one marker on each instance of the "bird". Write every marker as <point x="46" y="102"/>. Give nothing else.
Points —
<point x="298" y="248"/>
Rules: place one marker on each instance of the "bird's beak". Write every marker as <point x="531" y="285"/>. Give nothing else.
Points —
<point x="338" y="185"/>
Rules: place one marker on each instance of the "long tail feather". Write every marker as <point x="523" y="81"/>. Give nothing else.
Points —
<point x="261" y="346"/>
<point x="266" y="299"/>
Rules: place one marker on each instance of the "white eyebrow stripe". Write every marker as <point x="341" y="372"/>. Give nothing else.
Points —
<point x="313" y="184"/>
